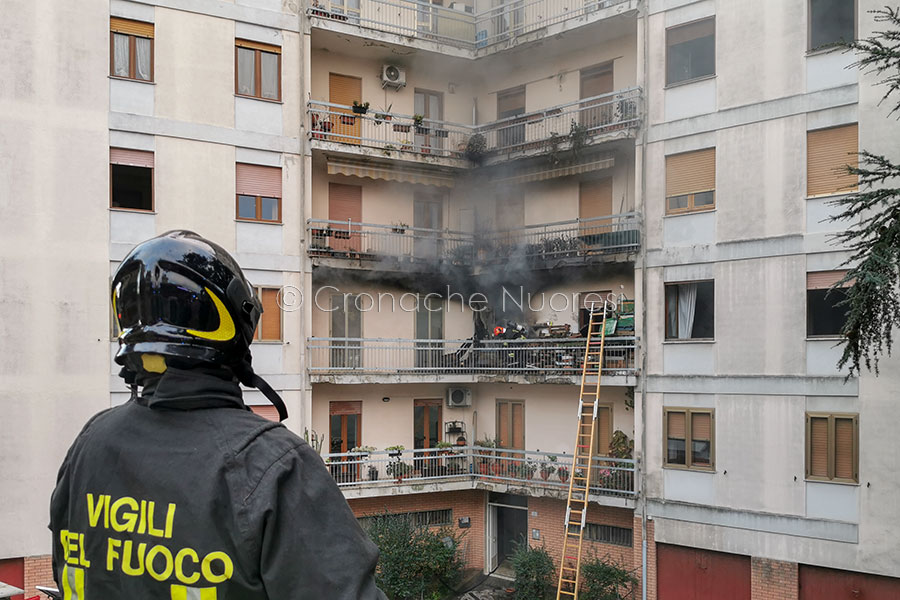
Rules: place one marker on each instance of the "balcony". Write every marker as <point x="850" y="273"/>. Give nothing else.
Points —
<point x="457" y="26"/>
<point x="538" y="360"/>
<point x="583" y="123"/>
<point x="474" y="467"/>
<point x="348" y="244"/>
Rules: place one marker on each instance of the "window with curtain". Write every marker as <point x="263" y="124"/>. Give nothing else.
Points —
<point x="689" y="438"/>
<point x="131" y="49"/>
<point x="825" y="317"/>
<point x="257" y="70"/>
<point x="269" y="327"/>
<point x="831" y="22"/>
<point x="832" y="447"/>
<point x="691" y="51"/>
<point x="691" y="181"/>
<point x="690" y="310"/>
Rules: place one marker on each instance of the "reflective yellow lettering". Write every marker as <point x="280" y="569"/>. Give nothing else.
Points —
<point x="111" y="544"/>
<point x="64" y="540"/>
<point x="179" y="566"/>
<point x="180" y="592"/>
<point x="142" y="526"/>
<point x="127" y="568"/>
<point x="151" y="557"/>
<point x="95" y="510"/>
<point x="150" y="529"/>
<point x="170" y="520"/>
<point x="130" y="518"/>
<point x="71" y="551"/>
<point x="227" y="565"/>
<point x="82" y="561"/>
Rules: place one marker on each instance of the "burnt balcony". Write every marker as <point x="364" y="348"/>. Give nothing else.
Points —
<point x="347" y="244"/>
<point x="458" y="26"/>
<point x="612" y="480"/>
<point x="574" y="126"/>
<point x="537" y="360"/>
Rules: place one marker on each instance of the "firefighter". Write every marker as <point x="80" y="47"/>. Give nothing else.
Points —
<point x="182" y="492"/>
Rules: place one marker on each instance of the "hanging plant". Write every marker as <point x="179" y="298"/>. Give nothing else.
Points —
<point x="475" y="148"/>
<point x="360" y="109"/>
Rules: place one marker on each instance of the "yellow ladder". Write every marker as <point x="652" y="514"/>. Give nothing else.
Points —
<point x="580" y="476"/>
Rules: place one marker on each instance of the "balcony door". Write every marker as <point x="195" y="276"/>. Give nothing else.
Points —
<point x="344" y="89"/>
<point x="508" y="18"/>
<point x="427" y="423"/>
<point x="596" y="81"/>
<point x="429" y="326"/>
<point x="345" y="205"/>
<point x="344" y="433"/>
<point x="511" y="103"/>
<point x="427" y="214"/>
<point x="431" y="106"/>
<point x="346" y="324"/>
<point x="511" y="424"/>
<point x="595" y="201"/>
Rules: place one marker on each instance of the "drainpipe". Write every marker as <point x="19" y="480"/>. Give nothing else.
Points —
<point x="643" y="18"/>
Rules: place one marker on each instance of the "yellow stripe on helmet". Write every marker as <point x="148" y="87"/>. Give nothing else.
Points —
<point x="225" y="331"/>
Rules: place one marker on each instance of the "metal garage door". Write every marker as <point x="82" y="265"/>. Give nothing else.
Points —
<point x="693" y="574"/>
<point x="817" y="583"/>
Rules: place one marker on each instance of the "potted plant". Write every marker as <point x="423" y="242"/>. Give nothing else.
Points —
<point x="373" y="473"/>
<point x="548" y="467"/>
<point x="395" y="451"/>
<point x="360" y="109"/>
<point x="388" y="149"/>
<point x="383" y="115"/>
<point x="563" y="473"/>
<point x="405" y="145"/>
<point x="475" y="148"/>
<point x="418" y="121"/>
<point x="398" y="470"/>
<point x="527" y="469"/>
<point x="399" y="227"/>
<point x="363" y="451"/>
<point x="444" y="447"/>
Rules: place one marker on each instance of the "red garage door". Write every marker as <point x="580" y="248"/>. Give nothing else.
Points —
<point x="693" y="574"/>
<point x="817" y="583"/>
<point x="12" y="571"/>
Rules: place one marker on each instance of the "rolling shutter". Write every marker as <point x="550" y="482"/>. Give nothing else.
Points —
<point x="828" y="153"/>
<point x="344" y="202"/>
<point x="257" y="46"/>
<point x="270" y="323"/>
<point x="266" y="411"/>
<point x="844" y="463"/>
<point x="818" y="446"/>
<point x="127" y="27"/>
<point x="132" y="158"/>
<point x="343" y="89"/>
<point x="510" y="103"/>
<point x="345" y="408"/>
<point x="691" y="172"/>
<point x="690" y="32"/>
<point x="595" y="198"/>
<point x="254" y="180"/>
<point x="604" y="426"/>
<point x="823" y="280"/>
<point x="675" y="425"/>
<point x="701" y="426"/>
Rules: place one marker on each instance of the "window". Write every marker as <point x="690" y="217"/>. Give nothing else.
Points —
<point x="691" y="181"/>
<point x="131" y="49"/>
<point x="688" y="438"/>
<point x="832" y="447"/>
<point x="424" y="518"/>
<point x="511" y="103"/>
<point x="823" y="315"/>
<point x="429" y="326"/>
<point x="511" y="424"/>
<point x="608" y="534"/>
<point x="257" y="70"/>
<point x="691" y="51"/>
<point x="258" y="193"/>
<point x="131" y="179"/>
<point x="346" y="325"/>
<point x="427" y="422"/>
<point x="269" y="327"/>
<point x="828" y="154"/>
<point x="690" y="310"/>
<point x="830" y="22"/>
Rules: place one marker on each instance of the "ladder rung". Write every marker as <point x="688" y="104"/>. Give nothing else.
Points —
<point x="567" y="580"/>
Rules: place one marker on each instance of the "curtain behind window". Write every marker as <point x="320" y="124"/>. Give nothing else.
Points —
<point x="120" y="55"/>
<point x="246" y="72"/>
<point x="142" y="58"/>
<point x="269" y="75"/>
<point x="687" y="307"/>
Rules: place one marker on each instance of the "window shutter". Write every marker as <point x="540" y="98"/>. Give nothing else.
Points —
<point x="266" y="411"/>
<point x="344" y="202"/>
<point x="595" y="198"/>
<point x="603" y="427"/>
<point x="828" y="152"/>
<point x="518" y="425"/>
<point x="131" y="27"/>
<point x="270" y="325"/>
<point x="254" y="180"/>
<point x="823" y="280"/>
<point x="510" y="101"/>
<point x="675" y="424"/>
<point x="701" y="426"/>
<point x="691" y="172"/>
<point x="691" y="31"/>
<point x="345" y="408"/>
<point x="257" y="46"/>
<point x="343" y="89"/>
<point x="132" y="158"/>
<point x="818" y="446"/>
<point x="503" y="424"/>
<point x="843" y="448"/>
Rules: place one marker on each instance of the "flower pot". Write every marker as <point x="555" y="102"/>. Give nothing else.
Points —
<point x="545" y="475"/>
<point x="359" y="110"/>
<point x="563" y="476"/>
<point x="348" y="119"/>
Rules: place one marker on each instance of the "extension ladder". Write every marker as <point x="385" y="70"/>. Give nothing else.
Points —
<point x="580" y="476"/>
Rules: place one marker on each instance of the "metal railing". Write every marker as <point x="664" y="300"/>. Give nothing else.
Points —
<point x="609" y="476"/>
<point x="461" y="28"/>
<point x="551" y="129"/>
<point x="547" y="241"/>
<point x="539" y="356"/>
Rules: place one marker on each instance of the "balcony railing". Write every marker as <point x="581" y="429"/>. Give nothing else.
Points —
<point x="559" y="127"/>
<point x="460" y="28"/>
<point x="548" y="241"/>
<point x="609" y="476"/>
<point x="547" y="357"/>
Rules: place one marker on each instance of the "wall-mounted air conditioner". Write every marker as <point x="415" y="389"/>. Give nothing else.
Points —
<point x="393" y="76"/>
<point x="457" y="397"/>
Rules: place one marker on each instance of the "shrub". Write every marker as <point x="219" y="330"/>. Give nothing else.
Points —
<point x="534" y="572"/>
<point x="415" y="561"/>
<point x="602" y="579"/>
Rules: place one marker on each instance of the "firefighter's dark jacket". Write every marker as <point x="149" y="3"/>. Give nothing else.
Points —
<point x="182" y="493"/>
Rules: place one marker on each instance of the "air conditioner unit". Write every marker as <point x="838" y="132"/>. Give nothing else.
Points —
<point x="459" y="397"/>
<point x="393" y="76"/>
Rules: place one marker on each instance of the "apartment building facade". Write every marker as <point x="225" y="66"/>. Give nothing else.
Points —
<point x="429" y="198"/>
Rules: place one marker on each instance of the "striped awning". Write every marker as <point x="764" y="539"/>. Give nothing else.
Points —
<point x="389" y="173"/>
<point x="526" y="176"/>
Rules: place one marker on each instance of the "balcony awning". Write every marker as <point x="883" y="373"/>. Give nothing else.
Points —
<point x="389" y="173"/>
<point x="529" y="175"/>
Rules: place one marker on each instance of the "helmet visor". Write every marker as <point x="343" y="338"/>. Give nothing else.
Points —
<point x="174" y="300"/>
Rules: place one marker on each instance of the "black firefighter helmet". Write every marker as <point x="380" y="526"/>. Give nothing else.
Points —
<point x="185" y="298"/>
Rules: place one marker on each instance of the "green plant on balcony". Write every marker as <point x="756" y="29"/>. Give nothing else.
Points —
<point x="399" y="227"/>
<point x="578" y="135"/>
<point x="383" y="115"/>
<point x="314" y="440"/>
<point x="363" y="451"/>
<point x="398" y="469"/>
<point x="388" y="149"/>
<point x="563" y="473"/>
<point x="548" y="467"/>
<point x="360" y="109"/>
<point x="476" y="146"/>
<point x="621" y="446"/>
<point x="395" y="450"/>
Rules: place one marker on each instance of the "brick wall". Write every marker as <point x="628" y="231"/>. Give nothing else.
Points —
<point x="464" y="503"/>
<point x="773" y="579"/>
<point x="651" y="556"/>
<point x="38" y="571"/>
